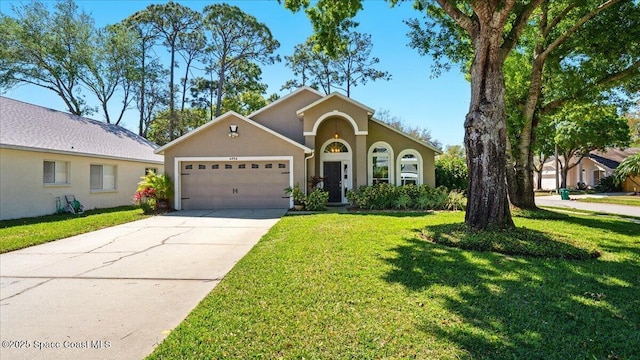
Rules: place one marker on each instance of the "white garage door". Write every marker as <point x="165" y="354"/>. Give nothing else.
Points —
<point x="234" y="184"/>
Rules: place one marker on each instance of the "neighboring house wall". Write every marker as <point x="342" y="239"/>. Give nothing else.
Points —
<point x="24" y="194"/>
<point x="631" y="184"/>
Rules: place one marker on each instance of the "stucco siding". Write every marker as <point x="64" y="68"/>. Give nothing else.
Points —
<point x="214" y="142"/>
<point x="338" y="105"/>
<point x="23" y="193"/>
<point x="399" y="143"/>
<point x="282" y="117"/>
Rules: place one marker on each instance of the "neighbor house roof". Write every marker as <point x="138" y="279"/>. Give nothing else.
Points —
<point x="612" y="157"/>
<point x="30" y="127"/>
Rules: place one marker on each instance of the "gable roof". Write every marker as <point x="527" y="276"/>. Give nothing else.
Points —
<point x="423" y="143"/>
<point x="285" y="98"/>
<point x="26" y="126"/>
<point x="611" y="158"/>
<point x="213" y="122"/>
<point x="369" y="110"/>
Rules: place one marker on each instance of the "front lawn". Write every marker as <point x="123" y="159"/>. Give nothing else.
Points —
<point x="618" y="200"/>
<point x="22" y="233"/>
<point x="343" y="286"/>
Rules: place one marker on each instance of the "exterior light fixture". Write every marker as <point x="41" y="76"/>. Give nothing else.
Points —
<point x="336" y="135"/>
<point x="233" y="131"/>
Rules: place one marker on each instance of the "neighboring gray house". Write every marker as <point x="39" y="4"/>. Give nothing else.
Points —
<point x="45" y="154"/>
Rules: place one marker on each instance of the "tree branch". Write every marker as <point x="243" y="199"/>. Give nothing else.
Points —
<point x="519" y="24"/>
<point x="460" y="18"/>
<point x="608" y="79"/>
<point x="557" y="19"/>
<point x="560" y="40"/>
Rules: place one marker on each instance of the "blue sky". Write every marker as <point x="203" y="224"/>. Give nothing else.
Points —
<point x="438" y="104"/>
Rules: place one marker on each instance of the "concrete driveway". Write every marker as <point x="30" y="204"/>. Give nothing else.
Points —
<point x="116" y="293"/>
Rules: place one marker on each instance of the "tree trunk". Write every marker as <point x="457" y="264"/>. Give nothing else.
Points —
<point x="565" y="173"/>
<point x="172" y="106"/>
<point x="539" y="179"/>
<point x="221" y="75"/>
<point x="485" y="136"/>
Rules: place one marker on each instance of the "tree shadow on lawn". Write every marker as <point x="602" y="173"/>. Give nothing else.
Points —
<point x="500" y="307"/>
<point x="623" y="227"/>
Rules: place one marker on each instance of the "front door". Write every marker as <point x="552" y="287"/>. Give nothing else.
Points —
<point x="333" y="183"/>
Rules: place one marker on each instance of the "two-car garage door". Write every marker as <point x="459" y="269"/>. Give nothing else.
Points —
<point x="234" y="184"/>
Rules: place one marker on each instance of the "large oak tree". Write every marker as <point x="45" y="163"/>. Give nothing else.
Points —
<point x="493" y="28"/>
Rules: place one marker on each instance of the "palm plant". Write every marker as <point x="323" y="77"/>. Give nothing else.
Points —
<point x="627" y="169"/>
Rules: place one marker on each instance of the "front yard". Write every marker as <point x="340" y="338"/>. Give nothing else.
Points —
<point x="22" y="233"/>
<point x="342" y="286"/>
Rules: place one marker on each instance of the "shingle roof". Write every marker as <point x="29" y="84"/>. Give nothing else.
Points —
<point x="611" y="158"/>
<point x="32" y="127"/>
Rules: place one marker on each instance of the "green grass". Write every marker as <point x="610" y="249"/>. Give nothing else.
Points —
<point x="343" y="286"/>
<point x="618" y="200"/>
<point x="22" y="233"/>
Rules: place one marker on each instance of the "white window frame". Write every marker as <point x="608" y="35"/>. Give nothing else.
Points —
<point x="56" y="171"/>
<point x="103" y="178"/>
<point x="420" y="168"/>
<point x="391" y="175"/>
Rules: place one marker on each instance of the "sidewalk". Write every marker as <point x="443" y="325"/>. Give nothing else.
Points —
<point x="554" y="200"/>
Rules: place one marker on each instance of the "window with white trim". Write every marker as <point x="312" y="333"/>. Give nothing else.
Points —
<point x="55" y="172"/>
<point x="102" y="177"/>
<point x="409" y="167"/>
<point x="380" y="164"/>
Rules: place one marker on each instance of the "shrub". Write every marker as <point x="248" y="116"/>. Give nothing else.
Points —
<point x="452" y="173"/>
<point x="608" y="184"/>
<point x="317" y="200"/>
<point x="456" y="201"/>
<point x="424" y="197"/>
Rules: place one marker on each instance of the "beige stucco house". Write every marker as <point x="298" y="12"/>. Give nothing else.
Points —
<point x="46" y="154"/>
<point x="589" y="170"/>
<point x="247" y="161"/>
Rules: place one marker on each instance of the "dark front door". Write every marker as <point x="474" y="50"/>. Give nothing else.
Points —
<point x="333" y="182"/>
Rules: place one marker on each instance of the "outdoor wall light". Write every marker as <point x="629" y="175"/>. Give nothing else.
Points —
<point x="233" y="131"/>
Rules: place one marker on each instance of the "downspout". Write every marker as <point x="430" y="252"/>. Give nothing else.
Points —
<point x="306" y="165"/>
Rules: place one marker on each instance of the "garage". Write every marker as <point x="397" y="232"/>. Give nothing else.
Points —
<point x="234" y="183"/>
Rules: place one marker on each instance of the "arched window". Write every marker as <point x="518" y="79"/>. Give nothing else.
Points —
<point x="409" y="167"/>
<point x="380" y="163"/>
<point x="336" y="147"/>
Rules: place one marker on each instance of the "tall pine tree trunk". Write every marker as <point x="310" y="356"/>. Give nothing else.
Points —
<point x="485" y="135"/>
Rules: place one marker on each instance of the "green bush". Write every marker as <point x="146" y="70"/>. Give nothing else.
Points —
<point x="608" y="184"/>
<point x="317" y="200"/>
<point x="452" y="173"/>
<point x="423" y="197"/>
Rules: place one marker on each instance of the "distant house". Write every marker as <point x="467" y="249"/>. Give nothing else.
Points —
<point x="45" y="154"/>
<point x="589" y="171"/>
<point x="247" y="161"/>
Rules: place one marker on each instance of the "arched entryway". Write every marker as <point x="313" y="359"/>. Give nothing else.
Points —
<point x="336" y="159"/>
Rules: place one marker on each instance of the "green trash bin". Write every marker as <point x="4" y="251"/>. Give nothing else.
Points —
<point x="564" y="194"/>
